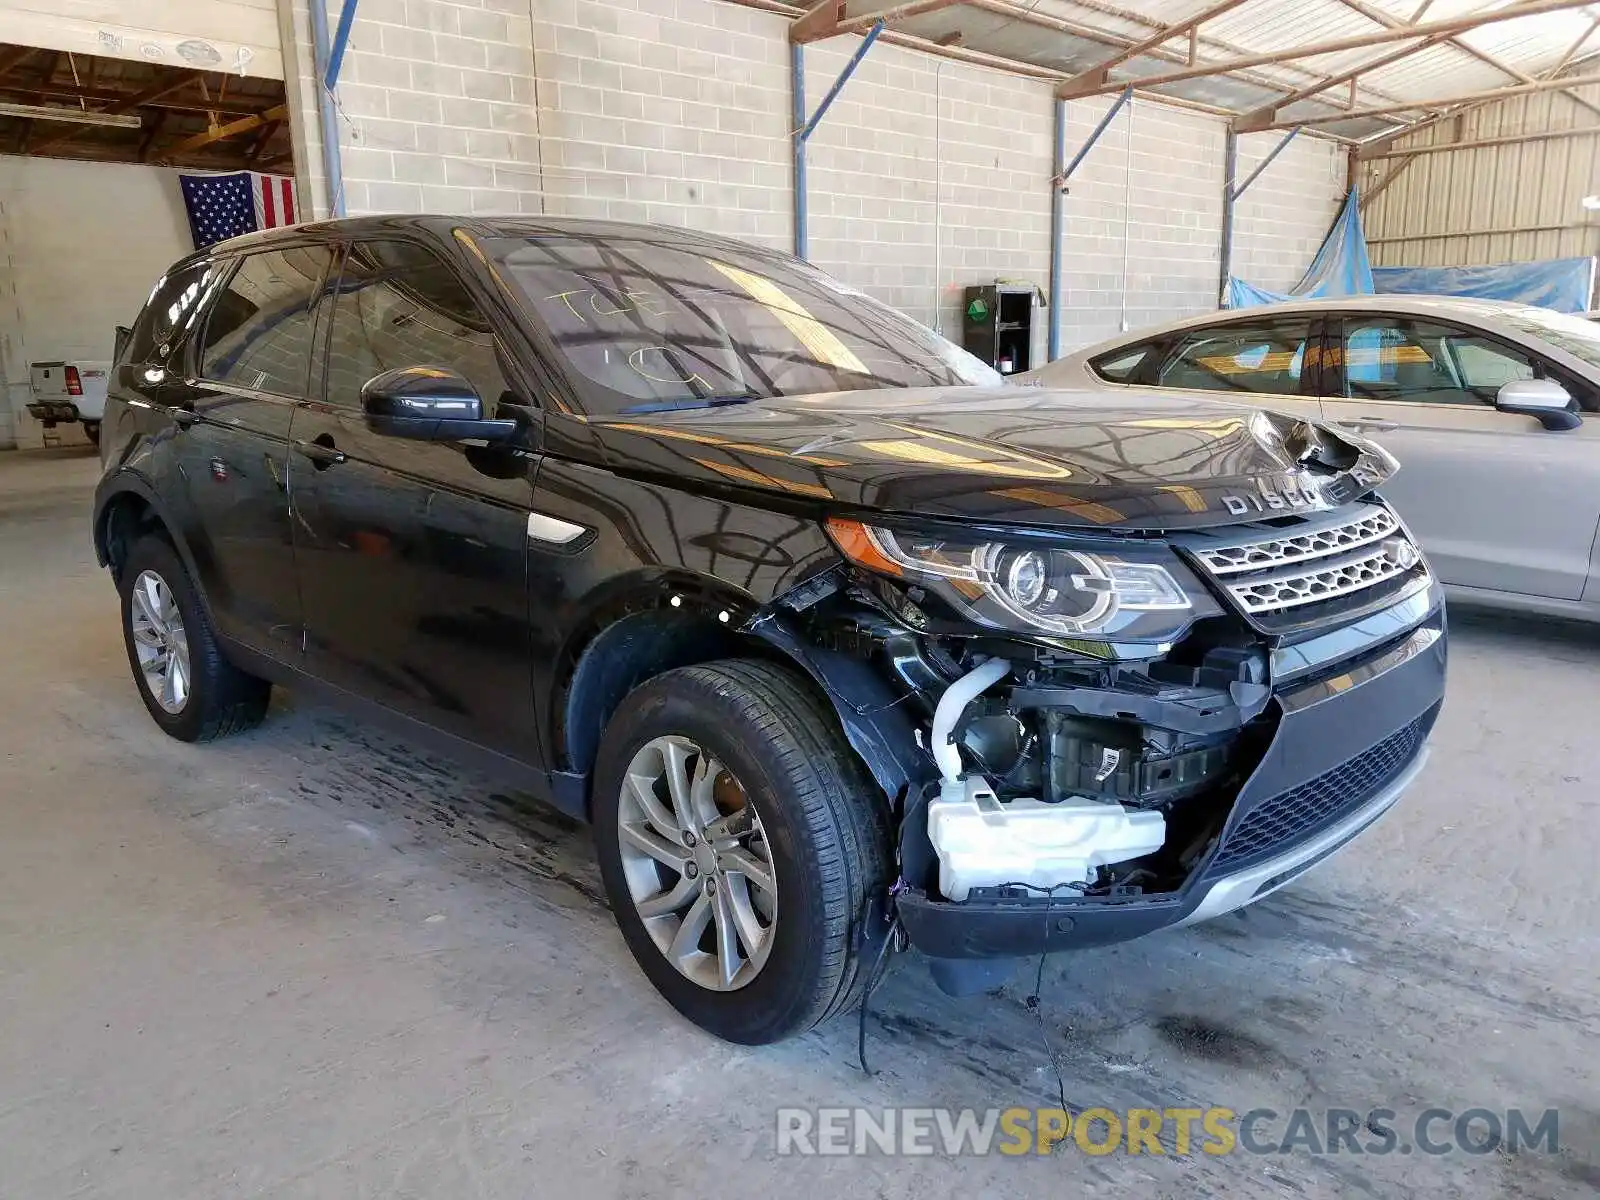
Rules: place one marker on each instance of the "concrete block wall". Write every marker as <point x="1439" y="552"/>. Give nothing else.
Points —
<point x="926" y="176"/>
<point x="436" y="103"/>
<point x="674" y="111"/>
<point x="1282" y="219"/>
<point x="1144" y="219"/>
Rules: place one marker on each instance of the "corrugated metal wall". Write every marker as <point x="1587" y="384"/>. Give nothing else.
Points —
<point x="1516" y="202"/>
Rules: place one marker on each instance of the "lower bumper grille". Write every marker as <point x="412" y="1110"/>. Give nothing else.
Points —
<point x="1276" y="824"/>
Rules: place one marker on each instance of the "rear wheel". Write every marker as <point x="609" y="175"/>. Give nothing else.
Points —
<point x="91" y="430"/>
<point x="739" y="839"/>
<point x="189" y="688"/>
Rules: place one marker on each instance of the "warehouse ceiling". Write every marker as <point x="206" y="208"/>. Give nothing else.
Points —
<point x="65" y="105"/>
<point x="1352" y="69"/>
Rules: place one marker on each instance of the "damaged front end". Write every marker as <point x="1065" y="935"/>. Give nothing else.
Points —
<point x="1088" y="739"/>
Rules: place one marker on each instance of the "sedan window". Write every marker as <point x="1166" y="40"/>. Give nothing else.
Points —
<point x="1244" y="356"/>
<point x="1417" y="362"/>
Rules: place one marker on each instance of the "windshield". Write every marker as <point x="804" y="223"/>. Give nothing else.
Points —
<point x="644" y="325"/>
<point x="1575" y="335"/>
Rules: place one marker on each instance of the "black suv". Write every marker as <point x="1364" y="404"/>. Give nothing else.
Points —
<point x="839" y="643"/>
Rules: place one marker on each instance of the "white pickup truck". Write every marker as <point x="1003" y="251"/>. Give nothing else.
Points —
<point x="70" y="391"/>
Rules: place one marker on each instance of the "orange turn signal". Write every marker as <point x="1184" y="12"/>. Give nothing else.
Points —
<point x="856" y="544"/>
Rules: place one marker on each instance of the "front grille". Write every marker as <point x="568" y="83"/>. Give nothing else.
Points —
<point x="1278" y="550"/>
<point x="1309" y="571"/>
<point x="1290" y="589"/>
<point x="1275" y="824"/>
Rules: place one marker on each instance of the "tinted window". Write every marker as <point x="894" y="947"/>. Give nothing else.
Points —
<point x="1244" y="356"/>
<point x="398" y="306"/>
<point x="1416" y="362"/>
<point x="258" y="331"/>
<point x="167" y="314"/>
<point x="1122" y="366"/>
<point x="642" y="324"/>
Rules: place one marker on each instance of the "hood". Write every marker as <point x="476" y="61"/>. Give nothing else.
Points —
<point x="1011" y="455"/>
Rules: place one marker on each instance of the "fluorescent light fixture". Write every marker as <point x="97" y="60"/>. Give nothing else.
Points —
<point x="73" y="116"/>
<point x="1591" y="203"/>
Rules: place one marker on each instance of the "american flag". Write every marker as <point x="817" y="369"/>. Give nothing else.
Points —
<point x="224" y="206"/>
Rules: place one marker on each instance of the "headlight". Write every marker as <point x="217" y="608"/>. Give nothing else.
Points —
<point x="1033" y="588"/>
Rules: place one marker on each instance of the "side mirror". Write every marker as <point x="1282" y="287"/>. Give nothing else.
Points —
<point x="123" y="334"/>
<point x="428" y="404"/>
<point x="1542" y="398"/>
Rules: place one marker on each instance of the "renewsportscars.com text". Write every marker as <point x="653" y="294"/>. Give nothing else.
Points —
<point x="1174" y="1131"/>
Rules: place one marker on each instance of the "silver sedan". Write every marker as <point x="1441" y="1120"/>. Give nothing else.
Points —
<point x="1493" y="410"/>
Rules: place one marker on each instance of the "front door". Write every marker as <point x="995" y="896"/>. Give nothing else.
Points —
<point x="412" y="555"/>
<point x="231" y="438"/>
<point x="1497" y="500"/>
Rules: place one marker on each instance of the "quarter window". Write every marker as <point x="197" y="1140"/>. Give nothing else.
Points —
<point x="1121" y="366"/>
<point x="258" y="333"/>
<point x="1244" y="356"/>
<point x="399" y="306"/>
<point x="1417" y="362"/>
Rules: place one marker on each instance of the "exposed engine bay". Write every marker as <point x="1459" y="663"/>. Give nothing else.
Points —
<point x="1059" y="773"/>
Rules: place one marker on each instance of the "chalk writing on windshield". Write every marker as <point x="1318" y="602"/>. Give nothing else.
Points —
<point x="584" y="303"/>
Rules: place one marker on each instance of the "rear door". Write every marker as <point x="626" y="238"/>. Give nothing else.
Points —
<point x="1497" y="500"/>
<point x="244" y="374"/>
<point x="412" y="555"/>
<point x="1269" y="361"/>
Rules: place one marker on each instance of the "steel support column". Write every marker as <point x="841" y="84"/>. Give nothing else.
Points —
<point x="1230" y="168"/>
<point x="1058" y="203"/>
<point x="327" y="114"/>
<point x="341" y="39"/>
<point x="803" y="127"/>
<point x="797" y="122"/>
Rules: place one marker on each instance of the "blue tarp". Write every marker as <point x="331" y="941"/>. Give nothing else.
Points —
<point x="1341" y="267"/>
<point x="1563" y="284"/>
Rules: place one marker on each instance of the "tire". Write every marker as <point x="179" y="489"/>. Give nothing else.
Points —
<point x="217" y="698"/>
<point x="822" y="821"/>
<point x="91" y="430"/>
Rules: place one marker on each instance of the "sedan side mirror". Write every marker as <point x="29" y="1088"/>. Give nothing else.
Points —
<point x="1542" y="398"/>
<point x="428" y="404"/>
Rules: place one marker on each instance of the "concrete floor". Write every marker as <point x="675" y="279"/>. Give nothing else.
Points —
<point x="309" y="962"/>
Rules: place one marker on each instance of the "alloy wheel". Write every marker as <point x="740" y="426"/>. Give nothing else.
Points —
<point x="697" y="864"/>
<point x="160" y="641"/>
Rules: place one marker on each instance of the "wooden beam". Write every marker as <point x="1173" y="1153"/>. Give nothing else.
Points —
<point x="1088" y="84"/>
<point x="1102" y="71"/>
<point x="241" y="106"/>
<point x="828" y="18"/>
<point x="1394" y="173"/>
<point x="1382" y="18"/>
<point x="138" y="100"/>
<point x="150" y="134"/>
<point x="1488" y="97"/>
<point x="14" y="56"/>
<point x="1262" y="117"/>
<point x="1516" y="139"/>
<point x="261" y="140"/>
<point x="819" y="21"/>
<point x="231" y="129"/>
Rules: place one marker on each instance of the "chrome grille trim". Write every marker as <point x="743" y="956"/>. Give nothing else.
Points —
<point x="1297" y="586"/>
<point x="1279" y="549"/>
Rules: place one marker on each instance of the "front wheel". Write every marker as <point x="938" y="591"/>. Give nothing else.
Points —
<point x="740" y="840"/>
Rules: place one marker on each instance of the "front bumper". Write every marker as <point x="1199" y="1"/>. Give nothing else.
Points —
<point x="1346" y="746"/>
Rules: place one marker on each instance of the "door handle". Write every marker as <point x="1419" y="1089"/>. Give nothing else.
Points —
<point x="1369" y="425"/>
<point x="321" y="451"/>
<point x="183" y="416"/>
